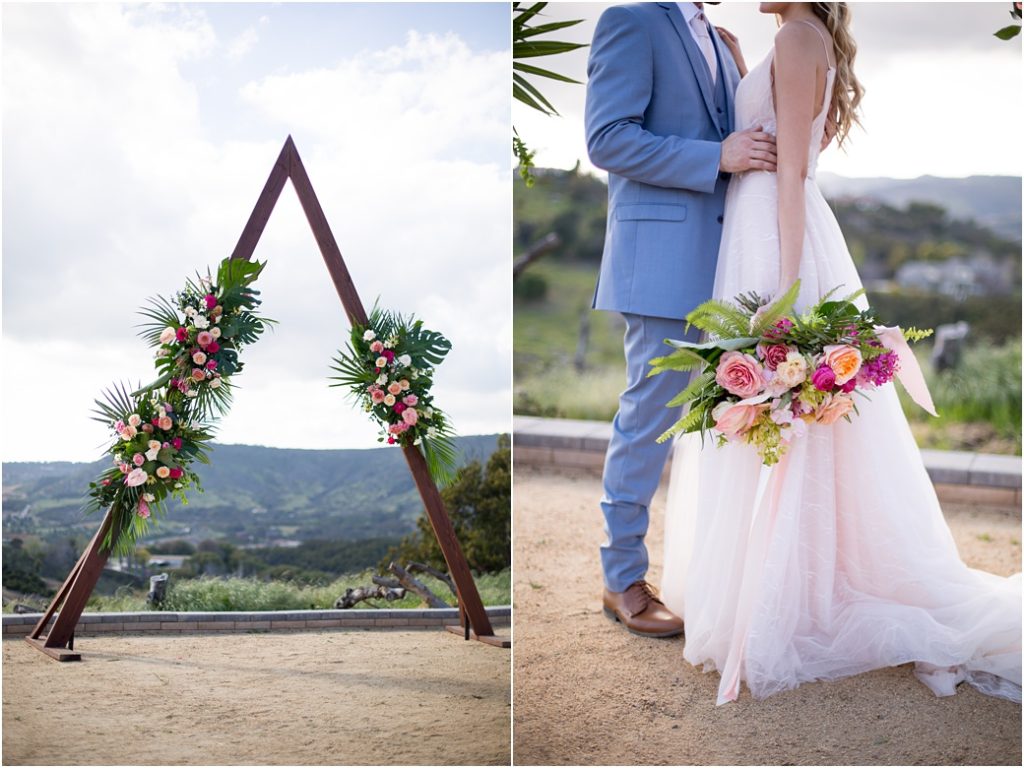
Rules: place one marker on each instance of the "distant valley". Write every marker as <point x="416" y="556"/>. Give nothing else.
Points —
<point x="254" y="496"/>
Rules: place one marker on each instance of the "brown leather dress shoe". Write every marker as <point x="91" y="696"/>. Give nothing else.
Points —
<point x="641" y="612"/>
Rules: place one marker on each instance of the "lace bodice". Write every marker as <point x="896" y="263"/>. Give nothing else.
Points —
<point x="755" y="105"/>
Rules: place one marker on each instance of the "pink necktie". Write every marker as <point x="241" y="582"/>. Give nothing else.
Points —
<point x="700" y="29"/>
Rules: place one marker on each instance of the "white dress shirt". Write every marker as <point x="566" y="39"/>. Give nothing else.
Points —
<point x="690" y="12"/>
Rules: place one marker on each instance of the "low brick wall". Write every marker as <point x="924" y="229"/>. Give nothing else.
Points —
<point x="16" y="625"/>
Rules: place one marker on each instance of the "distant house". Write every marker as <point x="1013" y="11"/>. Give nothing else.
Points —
<point x="976" y="275"/>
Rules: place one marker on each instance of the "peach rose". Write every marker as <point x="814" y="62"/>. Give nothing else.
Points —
<point x="389" y="400"/>
<point x="738" y="419"/>
<point x="844" y="360"/>
<point x="740" y="374"/>
<point x="833" y="409"/>
<point x="198" y="374"/>
<point x="199" y="358"/>
<point x="163" y="472"/>
<point x="394" y="388"/>
<point x="165" y="423"/>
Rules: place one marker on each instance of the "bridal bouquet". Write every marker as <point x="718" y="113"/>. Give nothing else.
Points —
<point x="388" y="366"/>
<point x="767" y="372"/>
<point x="162" y="428"/>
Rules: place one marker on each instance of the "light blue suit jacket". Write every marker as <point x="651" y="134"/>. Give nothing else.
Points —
<point x="652" y="123"/>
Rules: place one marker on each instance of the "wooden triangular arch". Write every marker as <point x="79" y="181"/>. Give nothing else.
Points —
<point x="70" y="600"/>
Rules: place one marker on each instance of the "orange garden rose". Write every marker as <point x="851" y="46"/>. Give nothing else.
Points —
<point x="844" y="360"/>
<point x="834" y="408"/>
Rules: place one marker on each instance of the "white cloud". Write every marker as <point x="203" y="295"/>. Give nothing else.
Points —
<point x="243" y="43"/>
<point x="113" y="191"/>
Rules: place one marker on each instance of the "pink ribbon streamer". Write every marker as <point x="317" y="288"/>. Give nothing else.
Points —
<point x="909" y="372"/>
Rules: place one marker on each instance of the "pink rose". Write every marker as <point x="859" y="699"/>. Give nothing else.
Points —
<point x="394" y="388"/>
<point x="119" y="426"/>
<point x="739" y="374"/>
<point x="377" y="347"/>
<point x="176" y="472"/>
<point x="213" y="347"/>
<point x="105" y="481"/>
<point x="739" y="418"/>
<point x="176" y="442"/>
<point x="834" y="409"/>
<point x="211" y="364"/>
<point x="136" y="477"/>
<point x="165" y="423"/>
<point x="125" y="468"/>
<point x="143" y="508"/>
<point x="181" y="334"/>
<point x="824" y="378"/>
<point x="773" y="354"/>
<point x="211" y="301"/>
<point x="391" y="440"/>
<point x="410" y="417"/>
<point x="410" y="399"/>
<point x="138" y="459"/>
<point x="204" y="339"/>
<point x="377" y="396"/>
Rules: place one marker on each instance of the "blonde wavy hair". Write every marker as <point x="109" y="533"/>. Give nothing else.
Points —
<point x="848" y="91"/>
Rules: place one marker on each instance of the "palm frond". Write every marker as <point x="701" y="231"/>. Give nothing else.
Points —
<point x="159" y="314"/>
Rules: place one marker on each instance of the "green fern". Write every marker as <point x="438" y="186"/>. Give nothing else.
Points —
<point x="691" y="422"/>
<point x="775" y="311"/>
<point x="696" y="385"/>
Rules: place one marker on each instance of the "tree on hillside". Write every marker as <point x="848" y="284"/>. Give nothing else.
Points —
<point x="479" y="503"/>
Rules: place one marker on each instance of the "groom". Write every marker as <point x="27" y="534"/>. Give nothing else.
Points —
<point x="659" y="119"/>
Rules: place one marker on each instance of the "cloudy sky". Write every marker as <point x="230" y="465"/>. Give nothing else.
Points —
<point x="135" y="143"/>
<point x="943" y="95"/>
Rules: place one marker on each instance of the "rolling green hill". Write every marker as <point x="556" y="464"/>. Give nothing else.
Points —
<point x="253" y="496"/>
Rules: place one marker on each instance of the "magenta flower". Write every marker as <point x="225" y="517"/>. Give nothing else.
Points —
<point x="213" y="347"/>
<point x="824" y="379"/>
<point x="211" y="301"/>
<point x="138" y="459"/>
<point x="399" y="407"/>
<point x="176" y="472"/>
<point x="211" y="364"/>
<point x="176" y="442"/>
<point x="181" y="334"/>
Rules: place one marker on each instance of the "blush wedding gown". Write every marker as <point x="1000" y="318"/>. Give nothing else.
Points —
<point x="838" y="560"/>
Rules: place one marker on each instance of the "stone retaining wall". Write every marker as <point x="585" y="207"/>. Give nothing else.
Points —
<point x="16" y="625"/>
<point x="958" y="476"/>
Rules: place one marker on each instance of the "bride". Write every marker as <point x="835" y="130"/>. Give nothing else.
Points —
<point x="837" y="560"/>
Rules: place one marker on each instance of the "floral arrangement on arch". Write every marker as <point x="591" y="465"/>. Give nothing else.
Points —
<point x="768" y="373"/>
<point x="162" y="428"/>
<point x="388" y="366"/>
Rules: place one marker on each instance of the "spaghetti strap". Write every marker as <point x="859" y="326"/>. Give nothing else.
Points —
<point x="824" y="42"/>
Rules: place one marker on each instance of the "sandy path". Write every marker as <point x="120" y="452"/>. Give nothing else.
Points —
<point x="309" y="698"/>
<point x="586" y="692"/>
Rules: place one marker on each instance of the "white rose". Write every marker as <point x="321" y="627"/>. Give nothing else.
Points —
<point x="190" y="311"/>
<point x="792" y="371"/>
<point x="200" y="322"/>
<point x="134" y="420"/>
<point x="369" y="335"/>
<point x="389" y="400"/>
<point x="381" y="362"/>
<point x="215" y="384"/>
<point x="382" y="379"/>
<point x="191" y="393"/>
<point x="215" y="332"/>
<point x="429" y="413"/>
<point x="431" y="431"/>
<point x="167" y="335"/>
<point x="149" y="497"/>
<point x="405" y="360"/>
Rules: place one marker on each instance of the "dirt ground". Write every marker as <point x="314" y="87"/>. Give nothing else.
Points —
<point x="353" y="698"/>
<point x="587" y="692"/>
